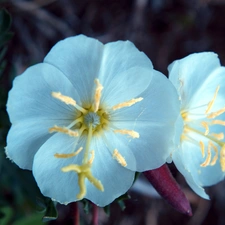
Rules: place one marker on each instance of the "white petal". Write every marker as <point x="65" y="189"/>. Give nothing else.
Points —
<point x="188" y="74"/>
<point x="60" y="186"/>
<point x="125" y="72"/>
<point x="179" y="160"/>
<point x="25" y="138"/>
<point x="79" y="58"/>
<point x="31" y="96"/>
<point x="63" y="187"/>
<point x="115" y="178"/>
<point x="154" y="119"/>
<point x="193" y="158"/>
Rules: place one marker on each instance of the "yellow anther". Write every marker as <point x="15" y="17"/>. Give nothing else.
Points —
<point x="222" y="158"/>
<point x="208" y="157"/>
<point x="90" y="161"/>
<point x="127" y="104"/>
<point x="63" y="130"/>
<point x="120" y="159"/>
<point x="213" y="162"/>
<point x="215" y="114"/>
<point x="132" y="133"/>
<point x="184" y="115"/>
<point x="66" y="99"/>
<point x="69" y="155"/>
<point x="206" y="126"/>
<point x="219" y="136"/>
<point x="219" y="122"/>
<point x="72" y="167"/>
<point x="202" y="147"/>
<point x="210" y="104"/>
<point x="98" y="93"/>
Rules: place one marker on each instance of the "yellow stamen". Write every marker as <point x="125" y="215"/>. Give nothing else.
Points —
<point x="202" y="147"/>
<point x="213" y="162"/>
<point x="219" y="136"/>
<point x="98" y="93"/>
<point x="132" y="133"/>
<point x="210" y="104"/>
<point x="184" y="115"/>
<point x="83" y="171"/>
<point x="64" y="130"/>
<point x="90" y="161"/>
<point x="208" y="158"/>
<point x="81" y="182"/>
<point x="219" y="122"/>
<point x="127" y="104"/>
<point x="120" y="159"/>
<point x="72" y="167"/>
<point x="69" y="155"/>
<point x="222" y="158"/>
<point x="66" y="99"/>
<point x="215" y="114"/>
<point x="206" y="126"/>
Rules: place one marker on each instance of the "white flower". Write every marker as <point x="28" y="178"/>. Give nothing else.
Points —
<point x="88" y="117"/>
<point x="200" y="81"/>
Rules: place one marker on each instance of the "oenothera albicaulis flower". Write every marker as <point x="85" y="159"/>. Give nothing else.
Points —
<point x="200" y="82"/>
<point x="88" y="117"/>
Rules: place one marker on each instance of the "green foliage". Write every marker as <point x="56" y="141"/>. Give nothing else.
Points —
<point x="5" y="24"/>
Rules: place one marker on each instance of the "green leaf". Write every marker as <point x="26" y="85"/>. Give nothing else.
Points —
<point x="7" y="213"/>
<point x="5" y="21"/>
<point x="34" y="219"/>
<point x="107" y="210"/>
<point x="51" y="211"/>
<point x="86" y="206"/>
<point x="5" y="37"/>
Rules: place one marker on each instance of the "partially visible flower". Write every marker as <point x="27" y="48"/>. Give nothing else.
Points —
<point x="88" y="117"/>
<point x="200" y="82"/>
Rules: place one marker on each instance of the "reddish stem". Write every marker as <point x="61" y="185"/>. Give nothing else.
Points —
<point x="94" y="214"/>
<point x="76" y="213"/>
<point x="165" y="184"/>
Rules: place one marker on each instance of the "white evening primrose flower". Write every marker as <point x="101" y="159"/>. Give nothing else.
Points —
<point x="200" y="82"/>
<point x="88" y="117"/>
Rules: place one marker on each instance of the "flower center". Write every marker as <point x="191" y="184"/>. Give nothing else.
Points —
<point x="90" y="121"/>
<point x="214" y="139"/>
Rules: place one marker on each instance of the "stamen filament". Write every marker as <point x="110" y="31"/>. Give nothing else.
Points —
<point x="219" y="122"/>
<point x="68" y="100"/>
<point x="63" y="98"/>
<point x="215" y="114"/>
<point x="132" y="133"/>
<point x="69" y="155"/>
<point x="222" y="158"/>
<point x="206" y="126"/>
<point x="202" y="147"/>
<point x="210" y="105"/>
<point x="219" y="136"/>
<point x="213" y="162"/>
<point x="208" y="158"/>
<point x="88" y="143"/>
<point x="120" y="159"/>
<point x="127" y="103"/>
<point x="63" y="130"/>
<point x="98" y="93"/>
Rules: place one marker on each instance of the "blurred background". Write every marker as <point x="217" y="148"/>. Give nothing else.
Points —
<point x="165" y="30"/>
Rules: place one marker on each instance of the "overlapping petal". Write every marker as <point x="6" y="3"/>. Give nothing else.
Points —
<point x="199" y="80"/>
<point x="63" y="187"/>
<point x="153" y="120"/>
<point x="189" y="74"/>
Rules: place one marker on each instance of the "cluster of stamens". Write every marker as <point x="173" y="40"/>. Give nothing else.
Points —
<point x="212" y="154"/>
<point x="90" y="121"/>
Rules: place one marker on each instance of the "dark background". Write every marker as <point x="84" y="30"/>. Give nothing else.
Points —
<point x="165" y="30"/>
